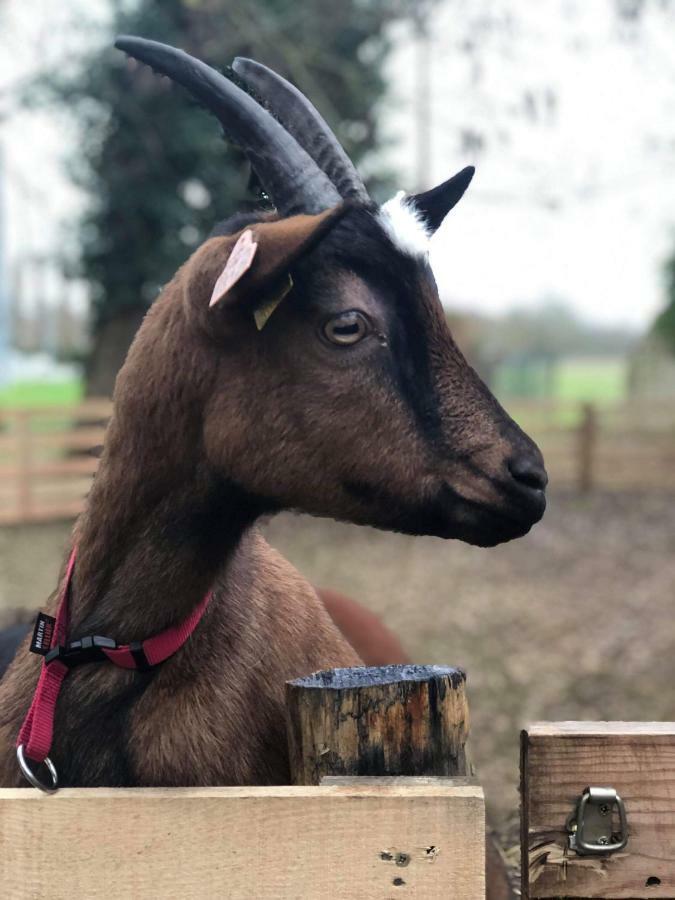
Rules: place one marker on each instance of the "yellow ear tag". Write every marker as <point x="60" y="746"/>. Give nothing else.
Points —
<point x="263" y="312"/>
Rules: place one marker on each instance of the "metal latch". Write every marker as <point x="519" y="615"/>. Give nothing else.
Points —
<point x="591" y="825"/>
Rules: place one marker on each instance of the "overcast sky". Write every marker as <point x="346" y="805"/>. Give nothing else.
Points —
<point x="574" y="195"/>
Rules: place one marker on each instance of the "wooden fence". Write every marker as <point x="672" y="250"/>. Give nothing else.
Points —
<point x="627" y="446"/>
<point x="47" y="460"/>
<point x="398" y="831"/>
<point x="597" y="811"/>
<point x="46" y="463"/>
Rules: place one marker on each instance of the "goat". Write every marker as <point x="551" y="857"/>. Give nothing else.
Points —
<point x="314" y="372"/>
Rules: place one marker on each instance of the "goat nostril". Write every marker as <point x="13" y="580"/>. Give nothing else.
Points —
<point x="529" y="473"/>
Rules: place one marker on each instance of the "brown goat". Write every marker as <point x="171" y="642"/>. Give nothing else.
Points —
<point x="351" y="402"/>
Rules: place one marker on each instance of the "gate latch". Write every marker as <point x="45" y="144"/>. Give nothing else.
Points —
<point x="591" y="825"/>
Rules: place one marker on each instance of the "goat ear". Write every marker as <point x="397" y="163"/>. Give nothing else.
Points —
<point x="256" y="270"/>
<point x="434" y="205"/>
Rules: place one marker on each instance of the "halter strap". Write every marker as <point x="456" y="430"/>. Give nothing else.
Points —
<point x="35" y="737"/>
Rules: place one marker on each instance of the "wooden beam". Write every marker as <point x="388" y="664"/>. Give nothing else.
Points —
<point x="421" y="838"/>
<point x="559" y="760"/>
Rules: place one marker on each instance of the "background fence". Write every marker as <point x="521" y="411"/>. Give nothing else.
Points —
<point x="623" y="446"/>
<point x="48" y="455"/>
<point x="47" y="459"/>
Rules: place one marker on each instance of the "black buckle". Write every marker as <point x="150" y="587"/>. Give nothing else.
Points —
<point x="86" y="650"/>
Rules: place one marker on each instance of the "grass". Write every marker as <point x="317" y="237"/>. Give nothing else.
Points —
<point x="599" y="380"/>
<point x="28" y="394"/>
<point x="585" y="379"/>
<point x="602" y="381"/>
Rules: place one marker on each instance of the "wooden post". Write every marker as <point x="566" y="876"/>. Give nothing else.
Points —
<point x="23" y="463"/>
<point x="588" y="430"/>
<point x="385" y="720"/>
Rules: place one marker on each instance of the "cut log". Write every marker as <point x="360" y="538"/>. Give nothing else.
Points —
<point x="385" y="720"/>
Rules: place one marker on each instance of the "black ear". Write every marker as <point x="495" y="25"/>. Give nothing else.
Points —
<point x="434" y="205"/>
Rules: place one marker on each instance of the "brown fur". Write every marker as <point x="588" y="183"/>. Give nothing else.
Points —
<point x="215" y="424"/>
<point x="376" y="644"/>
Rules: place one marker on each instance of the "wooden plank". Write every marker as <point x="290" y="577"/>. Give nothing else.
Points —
<point x="63" y="510"/>
<point x="422" y="839"/>
<point x="559" y="760"/>
<point x="61" y="467"/>
<point x="60" y="490"/>
<point x="94" y="408"/>
<point x="69" y="439"/>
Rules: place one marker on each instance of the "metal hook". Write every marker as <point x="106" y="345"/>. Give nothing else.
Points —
<point x="590" y="824"/>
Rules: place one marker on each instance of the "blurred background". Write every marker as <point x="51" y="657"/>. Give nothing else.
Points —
<point x="557" y="272"/>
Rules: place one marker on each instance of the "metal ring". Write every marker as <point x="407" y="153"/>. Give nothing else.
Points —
<point x="30" y="776"/>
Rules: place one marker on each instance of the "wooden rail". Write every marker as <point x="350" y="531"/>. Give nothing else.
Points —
<point x="46" y="460"/>
<point x="46" y="464"/>
<point x="359" y="840"/>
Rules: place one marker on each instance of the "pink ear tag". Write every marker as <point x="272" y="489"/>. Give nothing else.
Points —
<point x="238" y="263"/>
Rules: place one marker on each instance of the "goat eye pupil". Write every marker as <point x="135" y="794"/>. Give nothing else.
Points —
<point x="347" y="328"/>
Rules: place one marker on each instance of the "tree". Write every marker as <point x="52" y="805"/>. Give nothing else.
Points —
<point x="154" y="164"/>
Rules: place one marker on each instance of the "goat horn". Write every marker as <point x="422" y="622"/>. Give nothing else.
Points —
<point x="303" y="120"/>
<point x="288" y="174"/>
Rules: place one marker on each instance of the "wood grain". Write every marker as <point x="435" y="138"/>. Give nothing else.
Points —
<point x="420" y="838"/>
<point x="379" y="720"/>
<point x="558" y="761"/>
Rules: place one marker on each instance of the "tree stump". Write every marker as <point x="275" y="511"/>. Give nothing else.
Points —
<point x="384" y="720"/>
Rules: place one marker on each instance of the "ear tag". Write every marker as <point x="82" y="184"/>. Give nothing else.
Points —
<point x="263" y="312"/>
<point x="238" y="263"/>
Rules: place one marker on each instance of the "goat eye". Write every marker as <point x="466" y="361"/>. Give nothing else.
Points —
<point x="347" y="328"/>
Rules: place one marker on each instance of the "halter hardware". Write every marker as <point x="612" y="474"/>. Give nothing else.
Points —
<point x="85" y="650"/>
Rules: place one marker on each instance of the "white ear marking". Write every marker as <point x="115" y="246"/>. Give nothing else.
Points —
<point x="404" y="225"/>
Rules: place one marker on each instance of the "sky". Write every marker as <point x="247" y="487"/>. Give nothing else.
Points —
<point x="577" y="203"/>
<point x="567" y="111"/>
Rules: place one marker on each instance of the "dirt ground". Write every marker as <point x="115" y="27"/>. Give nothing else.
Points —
<point x="575" y="621"/>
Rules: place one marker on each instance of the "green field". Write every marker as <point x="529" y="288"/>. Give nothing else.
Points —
<point x="600" y="380"/>
<point x="41" y="393"/>
<point x="568" y="384"/>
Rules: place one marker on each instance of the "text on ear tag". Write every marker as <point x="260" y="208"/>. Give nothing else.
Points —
<point x="238" y="262"/>
<point x="265" y="310"/>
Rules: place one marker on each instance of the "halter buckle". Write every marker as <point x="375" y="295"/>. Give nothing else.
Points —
<point x="85" y="650"/>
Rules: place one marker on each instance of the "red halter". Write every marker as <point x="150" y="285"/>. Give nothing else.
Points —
<point x="50" y="640"/>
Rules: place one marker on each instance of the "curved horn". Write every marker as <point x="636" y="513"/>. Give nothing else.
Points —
<point x="303" y="120"/>
<point x="289" y="175"/>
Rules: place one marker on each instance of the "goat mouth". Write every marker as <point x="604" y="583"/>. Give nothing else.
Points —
<point x="451" y="515"/>
<point x="486" y="524"/>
